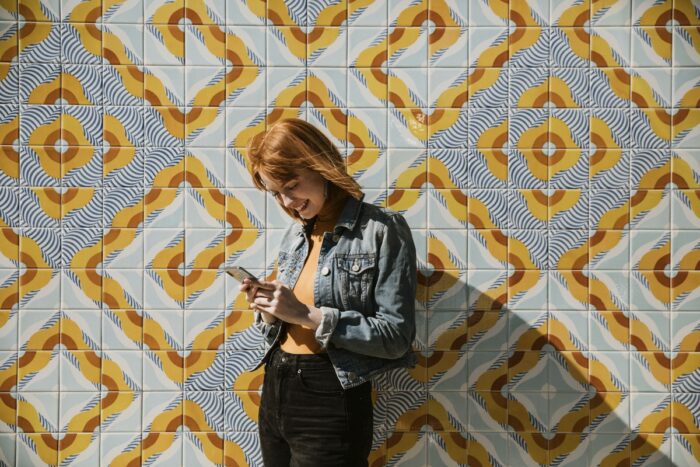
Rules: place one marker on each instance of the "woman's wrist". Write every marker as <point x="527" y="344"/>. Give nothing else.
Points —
<point x="267" y="318"/>
<point x="313" y="317"/>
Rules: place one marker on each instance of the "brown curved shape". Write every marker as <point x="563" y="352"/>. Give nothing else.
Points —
<point x="553" y="340"/>
<point x="679" y="180"/>
<point x="113" y="152"/>
<point x="639" y="100"/>
<point x="498" y="398"/>
<point x="7" y="399"/>
<point x="420" y="18"/>
<point x="24" y="424"/>
<point x="11" y="300"/>
<point x="150" y="341"/>
<point x="175" y="358"/>
<point x="54" y="95"/>
<point x="66" y="340"/>
<point x="9" y="152"/>
<point x="191" y="15"/>
<point x="172" y="266"/>
<point x="661" y="22"/>
<point x="431" y="421"/>
<point x="515" y="423"/>
<point x="110" y="398"/>
<point x="475" y="220"/>
<point x="92" y="28"/>
<point x="237" y="69"/>
<point x="151" y="97"/>
<point x="501" y="59"/>
<point x="396" y="100"/>
<point x="194" y="113"/>
<point x="29" y="26"/>
<point x="110" y="300"/>
<point x="110" y="56"/>
<point x="500" y="237"/>
<point x="394" y="439"/>
<point x="187" y="175"/>
<point x="518" y="274"/>
<point x="621" y="319"/>
<point x="515" y="358"/>
<point x="460" y="100"/>
<point x="135" y="220"/>
<point x="677" y="118"/>
<point x="436" y="35"/>
<point x="598" y="59"/>
<point x="149" y="440"/>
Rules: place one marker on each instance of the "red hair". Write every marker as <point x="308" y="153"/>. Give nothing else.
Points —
<point x="293" y="144"/>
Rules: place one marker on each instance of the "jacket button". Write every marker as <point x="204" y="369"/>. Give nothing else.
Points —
<point x="336" y="237"/>
<point x="352" y="376"/>
<point x="355" y="267"/>
<point x="325" y="271"/>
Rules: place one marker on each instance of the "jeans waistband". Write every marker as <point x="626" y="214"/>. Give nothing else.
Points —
<point x="279" y="357"/>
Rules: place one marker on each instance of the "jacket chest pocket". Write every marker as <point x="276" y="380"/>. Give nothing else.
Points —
<point x="355" y="275"/>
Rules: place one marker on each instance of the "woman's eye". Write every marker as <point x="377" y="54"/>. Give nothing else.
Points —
<point x="294" y="186"/>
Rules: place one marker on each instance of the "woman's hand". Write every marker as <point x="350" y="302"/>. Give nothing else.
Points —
<point x="276" y="299"/>
<point x="250" y="288"/>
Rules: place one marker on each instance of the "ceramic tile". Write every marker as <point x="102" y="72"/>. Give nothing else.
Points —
<point x="9" y="446"/>
<point x="114" y="445"/>
<point x="600" y="336"/>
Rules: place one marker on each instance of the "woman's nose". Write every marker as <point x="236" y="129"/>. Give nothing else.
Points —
<point x="286" y="200"/>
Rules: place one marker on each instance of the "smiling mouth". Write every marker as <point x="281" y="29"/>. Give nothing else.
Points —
<point x="303" y="206"/>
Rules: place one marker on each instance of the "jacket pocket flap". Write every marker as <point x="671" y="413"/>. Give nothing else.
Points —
<point x="357" y="263"/>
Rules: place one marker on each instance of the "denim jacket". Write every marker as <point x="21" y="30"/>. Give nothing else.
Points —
<point x="365" y="287"/>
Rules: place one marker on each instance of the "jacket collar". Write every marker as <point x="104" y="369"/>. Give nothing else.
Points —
<point x="348" y="216"/>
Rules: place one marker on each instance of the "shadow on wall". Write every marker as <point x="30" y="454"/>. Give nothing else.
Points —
<point x="499" y="387"/>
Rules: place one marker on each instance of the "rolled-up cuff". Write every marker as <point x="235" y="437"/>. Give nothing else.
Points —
<point x="329" y="320"/>
<point x="265" y="328"/>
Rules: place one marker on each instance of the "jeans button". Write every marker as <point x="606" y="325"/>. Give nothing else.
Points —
<point x="325" y="271"/>
<point x="352" y="376"/>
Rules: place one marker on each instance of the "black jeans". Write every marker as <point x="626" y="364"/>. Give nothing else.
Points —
<point x="307" y="419"/>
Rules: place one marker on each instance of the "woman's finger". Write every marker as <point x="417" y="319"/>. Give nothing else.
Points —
<point x="264" y="293"/>
<point x="267" y="285"/>
<point x="261" y="307"/>
<point x="262" y="301"/>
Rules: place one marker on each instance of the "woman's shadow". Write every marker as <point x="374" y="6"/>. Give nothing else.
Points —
<point x="494" y="386"/>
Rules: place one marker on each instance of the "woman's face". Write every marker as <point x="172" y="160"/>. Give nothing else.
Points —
<point x="303" y="193"/>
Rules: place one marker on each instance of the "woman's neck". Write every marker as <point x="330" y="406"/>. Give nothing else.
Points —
<point x="332" y="206"/>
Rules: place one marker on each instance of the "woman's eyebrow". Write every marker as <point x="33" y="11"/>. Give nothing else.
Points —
<point x="290" y="181"/>
<point x="284" y="185"/>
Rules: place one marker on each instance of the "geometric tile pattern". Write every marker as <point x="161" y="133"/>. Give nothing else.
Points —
<point x="545" y="153"/>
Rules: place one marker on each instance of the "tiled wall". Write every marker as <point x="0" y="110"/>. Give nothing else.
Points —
<point x="546" y="154"/>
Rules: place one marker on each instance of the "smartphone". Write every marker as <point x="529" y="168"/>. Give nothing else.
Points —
<point x="239" y="273"/>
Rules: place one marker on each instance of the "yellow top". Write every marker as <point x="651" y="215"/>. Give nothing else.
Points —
<point x="301" y="339"/>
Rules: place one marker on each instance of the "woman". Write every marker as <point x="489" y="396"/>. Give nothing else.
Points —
<point x="341" y="309"/>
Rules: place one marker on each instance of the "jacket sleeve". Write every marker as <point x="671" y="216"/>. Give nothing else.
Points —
<point x="268" y="331"/>
<point x="390" y="332"/>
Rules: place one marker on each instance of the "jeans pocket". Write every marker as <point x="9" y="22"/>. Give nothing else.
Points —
<point x="320" y="381"/>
